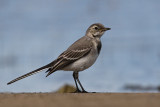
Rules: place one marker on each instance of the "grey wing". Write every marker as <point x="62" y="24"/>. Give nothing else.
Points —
<point x="69" y="57"/>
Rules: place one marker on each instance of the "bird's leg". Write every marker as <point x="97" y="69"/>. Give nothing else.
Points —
<point x="75" y="76"/>
<point x="83" y="91"/>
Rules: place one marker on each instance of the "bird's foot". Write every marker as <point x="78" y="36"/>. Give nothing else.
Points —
<point x="84" y="91"/>
<point x="77" y="91"/>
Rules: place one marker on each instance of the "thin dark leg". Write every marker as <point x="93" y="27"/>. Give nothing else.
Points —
<point x="75" y="75"/>
<point x="75" y="78"/>
<point x="83" y="91"/>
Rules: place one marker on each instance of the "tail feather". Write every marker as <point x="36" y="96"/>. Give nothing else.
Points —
<point x="32" y="72"/>
<point x="56" y="65"/>
<point x="48" y="70"/>
<point x="23" y="76"/>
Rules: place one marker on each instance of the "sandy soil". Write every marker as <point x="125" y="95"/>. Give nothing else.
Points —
<point x="80" y="100"/>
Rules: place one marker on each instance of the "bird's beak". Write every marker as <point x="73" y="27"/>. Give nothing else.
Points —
<point x="105" y="29"/>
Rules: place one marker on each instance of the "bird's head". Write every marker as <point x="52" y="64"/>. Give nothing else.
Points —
<point x="96" y="30"/>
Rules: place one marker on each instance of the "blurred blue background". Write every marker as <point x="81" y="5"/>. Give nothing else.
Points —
<point x="34" y="32"/>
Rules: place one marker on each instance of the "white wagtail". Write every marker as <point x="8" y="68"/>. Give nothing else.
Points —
<point x="79" y="56"/>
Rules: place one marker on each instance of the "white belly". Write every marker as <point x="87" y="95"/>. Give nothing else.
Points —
<point x="83" y="63"/>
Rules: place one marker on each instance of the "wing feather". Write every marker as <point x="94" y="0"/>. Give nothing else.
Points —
<point x="69" y="57"/>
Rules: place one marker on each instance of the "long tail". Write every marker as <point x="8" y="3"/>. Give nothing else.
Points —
<point x="32" y="72"/>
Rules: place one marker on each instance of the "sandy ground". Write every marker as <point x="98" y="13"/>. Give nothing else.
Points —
<point x="80" y="100"/>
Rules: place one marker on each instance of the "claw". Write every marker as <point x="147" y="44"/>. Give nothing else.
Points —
<point x="84" y="91"/>
<point x="77" y="91"/>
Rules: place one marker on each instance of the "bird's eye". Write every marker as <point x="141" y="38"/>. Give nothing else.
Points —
<point x="96" y="28"/>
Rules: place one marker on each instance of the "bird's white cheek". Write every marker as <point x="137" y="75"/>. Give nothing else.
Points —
<point x="97" y="33"/>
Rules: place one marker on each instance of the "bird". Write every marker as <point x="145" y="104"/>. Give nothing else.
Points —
<point x="81" y="55"/>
